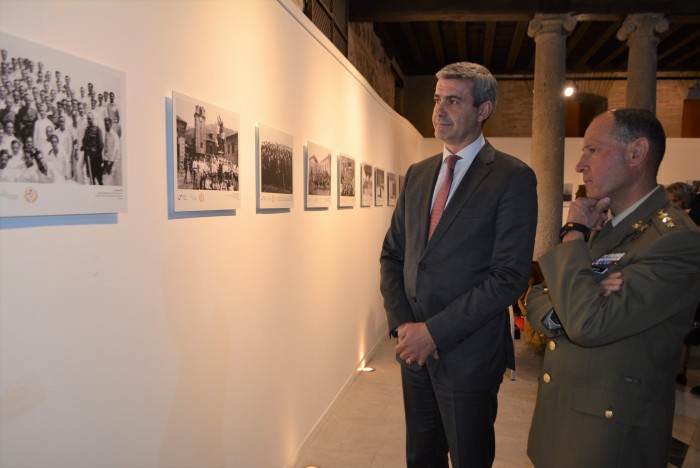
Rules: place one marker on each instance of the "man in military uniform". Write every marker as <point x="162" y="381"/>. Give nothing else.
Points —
<point x="93" y="144"/>
<point x="615" y="307"/>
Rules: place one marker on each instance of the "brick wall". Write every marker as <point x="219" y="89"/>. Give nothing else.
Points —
<point x="366" y="53"/>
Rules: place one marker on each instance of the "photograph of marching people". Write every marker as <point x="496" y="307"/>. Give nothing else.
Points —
<point x="61" y="133"/>
<point x="393" y="189"/>
<point x="346" y="181"/>
<point x="366" y="172"/>
<point x="379" y="187"/>
<point x="275" y="163"/>
<point x="318" y="176"/>
<point x="206" y="152"/>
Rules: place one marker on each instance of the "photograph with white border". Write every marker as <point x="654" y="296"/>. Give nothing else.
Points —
<point x="346" y="181"/>
<point x="205" y="165"/>
<point x="62" y="145"/>
<point x="379" y="187"/>
<point x="275" y="164"/>
<point x="367" y="182"/>
<point x="318" y="176"/>
<point x="393" y="187"/>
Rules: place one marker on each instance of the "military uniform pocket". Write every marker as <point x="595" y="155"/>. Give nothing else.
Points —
<point x="613" y="406"/>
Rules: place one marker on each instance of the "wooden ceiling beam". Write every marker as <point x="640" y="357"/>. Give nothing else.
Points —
<point x="612" y="30"/>
<point x="396" y="11"/>
<point x="518" y="37"/>
<point x="438" y="46"/>
<point x="489" y="39"/>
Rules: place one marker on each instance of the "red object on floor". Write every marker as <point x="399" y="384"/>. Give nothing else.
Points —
<point x="519" y="322"/>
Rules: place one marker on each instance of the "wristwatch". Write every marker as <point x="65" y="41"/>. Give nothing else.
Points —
<point x="585" y="230"/>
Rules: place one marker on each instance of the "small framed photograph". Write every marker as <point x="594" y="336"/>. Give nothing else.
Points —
<point x="379" y="187"/>
<point x="275" y="161"/>
<point x="367" y="173"/>
<point x="346" y="181"/>
<point x="205" y="163"/>
<point x="318" y="176"/>
<point x="393" y="187"/>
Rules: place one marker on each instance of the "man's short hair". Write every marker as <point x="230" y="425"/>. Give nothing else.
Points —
<point x="484" y="86"/>
<point x="631" y="124"/>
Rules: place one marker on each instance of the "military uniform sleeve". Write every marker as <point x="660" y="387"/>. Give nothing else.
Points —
<point x="659" y="280"/>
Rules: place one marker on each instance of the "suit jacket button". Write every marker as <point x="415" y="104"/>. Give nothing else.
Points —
<point x="608" y="414"/>
<point x="552" y="345"/>
<point x="415" y="299"/>
<point x="545" y="290"/>
<point x="547" y="378"/>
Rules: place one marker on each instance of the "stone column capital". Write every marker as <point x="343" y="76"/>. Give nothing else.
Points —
<point x="643" y="26"/>
<point x="562" y="24"/>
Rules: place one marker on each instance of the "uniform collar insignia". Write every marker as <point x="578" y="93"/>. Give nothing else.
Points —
<point x="666" y="219"/>
<point x="639" y="227"/>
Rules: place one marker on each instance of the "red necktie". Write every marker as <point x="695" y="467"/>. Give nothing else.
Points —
<point x="441" y="199"/>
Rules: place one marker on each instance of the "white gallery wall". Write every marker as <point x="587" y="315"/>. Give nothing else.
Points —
<point x="138" y="340"/>
<point x="141" y="341"/>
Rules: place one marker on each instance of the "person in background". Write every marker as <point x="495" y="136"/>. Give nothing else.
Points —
<point x="457" y="253"/>
<point x="681" y="196"/>
<point x="617" y="299"/>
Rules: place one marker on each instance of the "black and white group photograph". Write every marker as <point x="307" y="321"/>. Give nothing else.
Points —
<point x="61" y="132"/>
<point x="275" y="164"/>
<point x="379" y="187"/>
<point x="367" y="194"/>
<point x="393" y="187"/>
<point x="318" y="176"/>
<point x="346" y="181"/>
<point x="206" y="155"/>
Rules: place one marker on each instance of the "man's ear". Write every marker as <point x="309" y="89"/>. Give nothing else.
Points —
<point x="638" y="152"/>
<point x="485" y="110"/>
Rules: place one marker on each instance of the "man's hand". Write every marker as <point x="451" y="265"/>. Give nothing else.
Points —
<point x="589" y="212"/>
<point x="415" y="343"/>
<point x="612" y="283"/>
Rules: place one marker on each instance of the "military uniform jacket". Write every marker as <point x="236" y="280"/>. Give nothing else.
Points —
<point x="606" y="392"/>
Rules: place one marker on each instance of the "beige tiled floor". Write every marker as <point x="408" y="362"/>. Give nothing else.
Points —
<point x="366" y="427"/>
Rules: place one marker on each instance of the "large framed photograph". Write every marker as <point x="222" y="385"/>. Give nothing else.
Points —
<point x="379" y="187"/>
<point x="367" y="194"/>
<point x="393" y="186"/>
<point x="346" y="181"/>
<point x="318" y="176"/>
<point x="205" y="164"/>
<point x="275" y="161"/>
<point x="63" y="148"/>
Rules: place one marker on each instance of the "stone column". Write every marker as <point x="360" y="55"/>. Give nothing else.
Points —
<point x="640" y="31"/>
<point x="548" y="123"/>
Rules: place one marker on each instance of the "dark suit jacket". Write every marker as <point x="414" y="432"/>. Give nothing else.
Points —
<point x="606" y="396"/>
<point x="475" y="265"/>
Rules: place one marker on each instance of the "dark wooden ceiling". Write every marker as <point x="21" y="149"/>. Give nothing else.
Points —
<point x="421" y="36"/>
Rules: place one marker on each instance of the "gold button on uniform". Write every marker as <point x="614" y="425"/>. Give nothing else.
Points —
<point x="608" y="414"/>
<point x="545" y="290"/>
<point x="552" y="345"/>
<point x="546" y="378"/>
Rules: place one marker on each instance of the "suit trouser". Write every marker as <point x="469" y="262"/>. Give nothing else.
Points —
<point x="440" y="418"/>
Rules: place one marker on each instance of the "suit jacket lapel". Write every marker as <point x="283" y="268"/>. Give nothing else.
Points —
<point x="478" y="171"/>
<point x="430" y="178"/>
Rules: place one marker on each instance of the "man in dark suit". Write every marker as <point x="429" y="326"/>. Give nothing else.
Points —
<point x="447" y="283"/>
<point x="615" y="307"/>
